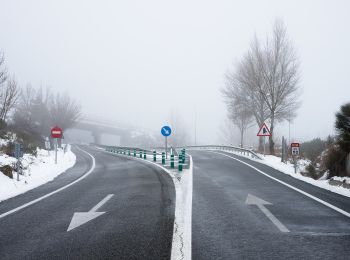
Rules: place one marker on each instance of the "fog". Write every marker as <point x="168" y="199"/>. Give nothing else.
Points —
<point x="143" y="63"/>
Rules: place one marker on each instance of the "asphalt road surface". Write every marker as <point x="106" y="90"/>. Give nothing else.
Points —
<point x="224" y="226"/>
<point x="137" y="223"/>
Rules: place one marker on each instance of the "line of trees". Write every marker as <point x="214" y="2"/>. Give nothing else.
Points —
<point x="31" y="112"/>
<point x="264" y="85"/>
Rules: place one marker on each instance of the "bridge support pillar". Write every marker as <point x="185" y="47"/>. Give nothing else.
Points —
<point x="125" y="139"/>
<point x="97" y="137"/>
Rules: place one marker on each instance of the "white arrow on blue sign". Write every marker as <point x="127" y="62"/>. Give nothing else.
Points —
<point x="166" y="130"/>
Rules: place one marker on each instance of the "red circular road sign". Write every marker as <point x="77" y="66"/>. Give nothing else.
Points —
<point x="56" y="132"/>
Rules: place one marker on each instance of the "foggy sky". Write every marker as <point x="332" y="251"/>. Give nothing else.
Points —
<point x="141" y="61"/>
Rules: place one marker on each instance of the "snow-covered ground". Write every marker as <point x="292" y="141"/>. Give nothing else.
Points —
<point x="37" y="171"/>
<point x="288" y="168"/>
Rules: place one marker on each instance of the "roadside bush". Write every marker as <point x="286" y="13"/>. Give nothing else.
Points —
<point x="311" y="171"/>
<point x="335" y="161"/>
<point x="312" y="149"/>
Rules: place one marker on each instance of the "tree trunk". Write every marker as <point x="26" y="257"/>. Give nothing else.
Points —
<point x="271" y="143"/>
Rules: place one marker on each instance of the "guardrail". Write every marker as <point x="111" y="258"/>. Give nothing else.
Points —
<point x="179" y="157"/>
<point x="238" y="150"/>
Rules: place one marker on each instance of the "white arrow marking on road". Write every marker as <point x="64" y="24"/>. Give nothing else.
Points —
<point x="80" y="218"/>
<point x="252" y="200"/>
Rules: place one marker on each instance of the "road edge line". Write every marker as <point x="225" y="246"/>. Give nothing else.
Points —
<point x="55" y="191"/>
<point x="343" y="212"/>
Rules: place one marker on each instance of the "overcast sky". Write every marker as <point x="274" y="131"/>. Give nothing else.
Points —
<point x="138" y="61"/>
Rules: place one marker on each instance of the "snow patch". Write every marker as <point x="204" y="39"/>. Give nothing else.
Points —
<point x="288" y="168"/>
<point x="37" y="171"/>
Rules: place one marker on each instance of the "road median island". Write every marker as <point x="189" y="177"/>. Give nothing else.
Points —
<point x="182" y="178"/>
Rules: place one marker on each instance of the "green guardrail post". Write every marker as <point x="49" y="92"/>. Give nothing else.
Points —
<point x="144" y="154"/>
<point x="141" y="154"/>
<point x="129" y="152"/>
<point x="172" y="163"/>
<point x="134" y="153"/>
<point x="163" y="158"/>
<point x="180" y="163"/>
<point x="154" y="156"/>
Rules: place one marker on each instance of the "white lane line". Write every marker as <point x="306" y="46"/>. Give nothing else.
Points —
<point x="101" y="203"/>
<point x="55" y="191"/>
<point x="345" y="213"/>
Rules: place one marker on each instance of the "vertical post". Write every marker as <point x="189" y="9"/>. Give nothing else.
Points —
<point x="56" y="143"/>
<point x="18" y="166"/>
<point x="295" y="164"/>
<point x="172" y="163"/>
<point x="154" y="156"/>
<point x="180" y="163"/>
<point x="282" y="153"/>
<point x="163" y="158"/>
<point x="264" y="144"/>
<point x="166" y="147"/>
<point x="144" y="154"/>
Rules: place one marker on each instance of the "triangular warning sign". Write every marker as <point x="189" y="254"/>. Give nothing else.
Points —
<point x="264" y="130"/>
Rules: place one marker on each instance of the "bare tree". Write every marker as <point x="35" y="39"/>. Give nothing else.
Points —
<point x="241" y="116"/>
<point x="8" y="98"/>
<point x="8" y="92"/>
<point x="226" y="132"/>
<point x="64" y="111"/>
<point x="243" y="85"/>
<point x="3" y="69"/>
<point x="32" y="112"/>
<point x="279" y="66"/>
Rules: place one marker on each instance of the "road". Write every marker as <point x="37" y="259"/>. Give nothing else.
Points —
<point x="124" y="209"/>
<point x="138" y="200"/>
<point x="224" y="226"/>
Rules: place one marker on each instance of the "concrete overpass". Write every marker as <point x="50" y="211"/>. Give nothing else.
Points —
<point x="99" y="126"/>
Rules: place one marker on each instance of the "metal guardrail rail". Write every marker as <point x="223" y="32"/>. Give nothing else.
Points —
<point x="238" y="150"/>
<point x="177" y="157"/>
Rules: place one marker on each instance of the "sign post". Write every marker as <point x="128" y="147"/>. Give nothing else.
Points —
<point x="56" y="133"/>
<point x="18" y="155"/>
<point x="166" y="131"/>
<point x="264" y="131"/>
<point x="295" y="152"/>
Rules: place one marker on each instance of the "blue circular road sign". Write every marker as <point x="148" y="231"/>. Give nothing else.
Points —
<point x="166" y="130"/>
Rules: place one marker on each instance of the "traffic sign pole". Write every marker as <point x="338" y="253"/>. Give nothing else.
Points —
<point x="264" y="145"/>
<point x="166" y="147"/>
<point x="166" y="131"/>
<point x="56" y="150"/>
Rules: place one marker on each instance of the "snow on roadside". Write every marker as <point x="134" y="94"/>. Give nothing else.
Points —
<point x="288" y="168"/>
<point x="38" y="170"/>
